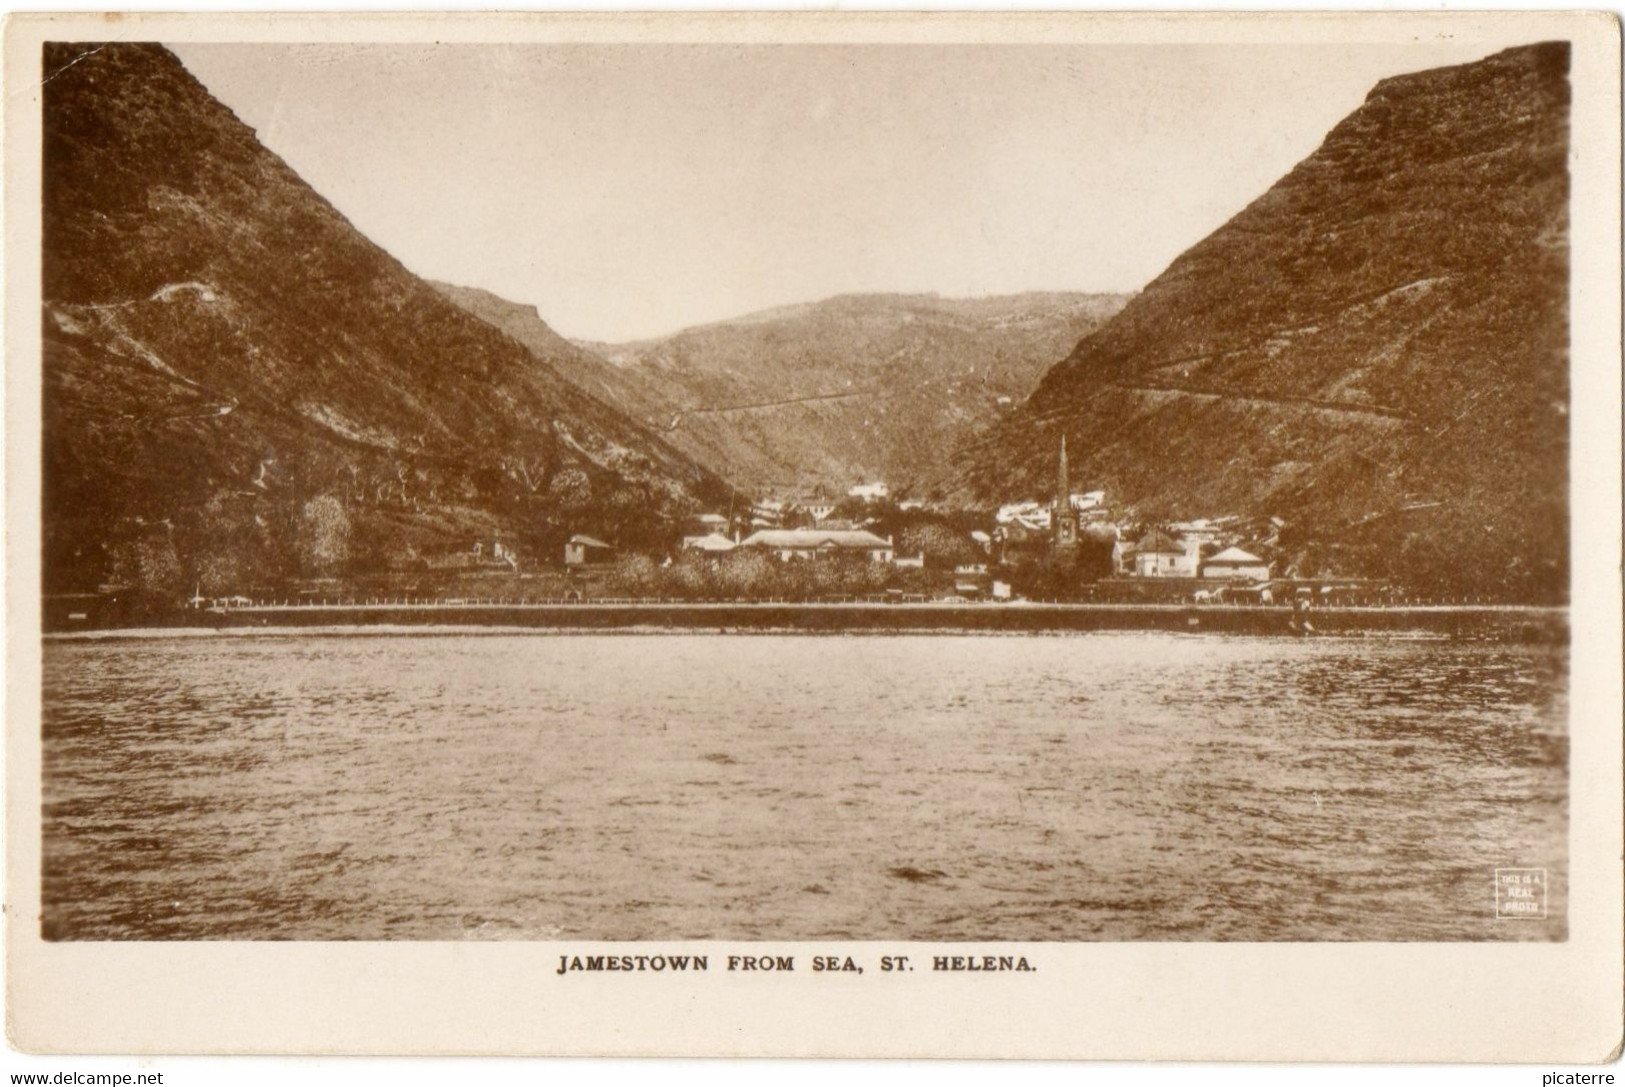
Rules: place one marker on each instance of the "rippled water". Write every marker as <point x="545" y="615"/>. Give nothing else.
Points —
<point x="1050" y="787"/>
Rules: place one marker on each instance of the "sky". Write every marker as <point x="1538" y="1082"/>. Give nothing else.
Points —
<point x="628" y="191"/>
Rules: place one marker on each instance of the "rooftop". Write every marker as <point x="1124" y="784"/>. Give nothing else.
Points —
<point x="1158" y="542"/>
<point x="714" y="542"/>
<point x="807" y="538"/>
<point x="1236" y="555"/>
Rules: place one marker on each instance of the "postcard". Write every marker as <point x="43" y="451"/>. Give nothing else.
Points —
<point x="1030" y="535"/>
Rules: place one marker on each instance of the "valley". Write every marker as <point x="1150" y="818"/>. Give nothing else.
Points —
<point x="1359" y="381"/>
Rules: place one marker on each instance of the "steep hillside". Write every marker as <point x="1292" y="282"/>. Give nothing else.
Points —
<point x="1376" y="350"/>
<point x="587" y="371"/>
<point x="857" y="387"/>
<point x="239" y="386"/>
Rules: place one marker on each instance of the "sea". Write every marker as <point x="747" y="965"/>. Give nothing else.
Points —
<point x="372" y="784"/>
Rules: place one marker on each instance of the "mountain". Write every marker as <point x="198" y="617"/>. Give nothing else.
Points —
<point x="1375" y="350"/>
<point x="584" y="369"/>
<point x="857" y="387"/>
<point x="239" y="386"/>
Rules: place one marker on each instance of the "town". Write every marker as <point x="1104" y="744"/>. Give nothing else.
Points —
<point x="866" y="545"/>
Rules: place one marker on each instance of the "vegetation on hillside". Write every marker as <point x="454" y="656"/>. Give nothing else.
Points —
<point x="850" y="389"/>
<point x="1375" y="350"/>
<point x="236" y="380"/>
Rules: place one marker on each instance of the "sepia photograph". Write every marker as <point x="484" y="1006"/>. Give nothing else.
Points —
<point x="616" y="494"/>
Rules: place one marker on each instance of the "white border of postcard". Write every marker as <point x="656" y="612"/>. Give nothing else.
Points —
<point x="1527" y="1002"/>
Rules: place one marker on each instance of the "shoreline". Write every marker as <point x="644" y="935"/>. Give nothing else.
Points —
<point x="1504" y="622"/>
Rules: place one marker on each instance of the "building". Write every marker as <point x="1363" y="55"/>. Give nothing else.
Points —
<point x="714" y="544"/>
<point x="1029" y="515"/>
<point x="817" y="504"/>
<point x="586" y="551"/>
<point x="1063" y="517"/>
<point x="1201" y="531"/>
<point x="1022" y="538"/>
<point x="870" y="492"/>
<point x="1089" y="506"/>
<point x="814" y="543"/>
<point x="1158" y="554"/>
<point x="1058" y="521"/>
<point x="1234" y="563"/>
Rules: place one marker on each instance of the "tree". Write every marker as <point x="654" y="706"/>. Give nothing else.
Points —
<point x="858" y="576"/>
<point x="324" y="536"/>
<point x="570" y="490"/>
<point x="232" y="544"/>
<point x="149" y="563"/>
<point x="852" y="508"/>
<point x="943" y="547"/>
<point x="691" y="577"/>
<point x="748" y="573"/>
<point x="1093" y="558"/>
<point x="634" y="575"/>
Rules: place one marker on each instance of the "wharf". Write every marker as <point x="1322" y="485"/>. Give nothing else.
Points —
<point x="1540" y="624"/>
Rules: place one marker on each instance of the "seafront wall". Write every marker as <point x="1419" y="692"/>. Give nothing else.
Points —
<point x="1536" y="624"/>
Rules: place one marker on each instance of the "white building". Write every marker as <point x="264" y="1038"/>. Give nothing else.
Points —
<point x="817" y="506"/>
<point x="1158" y="554"/>
<point x="1088" y="500"/>
<point x="1030" y="515"/>
<point x="870" y="492"/>
<point x="1201" y="530"/>
<point x="587" y="551"/>
<point x="814" y="543"/>
<point x="1235" y="563"/>
<point x="1036" y="516"/>
<point x="714" y="544"/>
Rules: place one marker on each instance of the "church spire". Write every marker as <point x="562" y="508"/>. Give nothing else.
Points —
<point x="1063" y="522"/>
<point x="1063" y="489"/>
